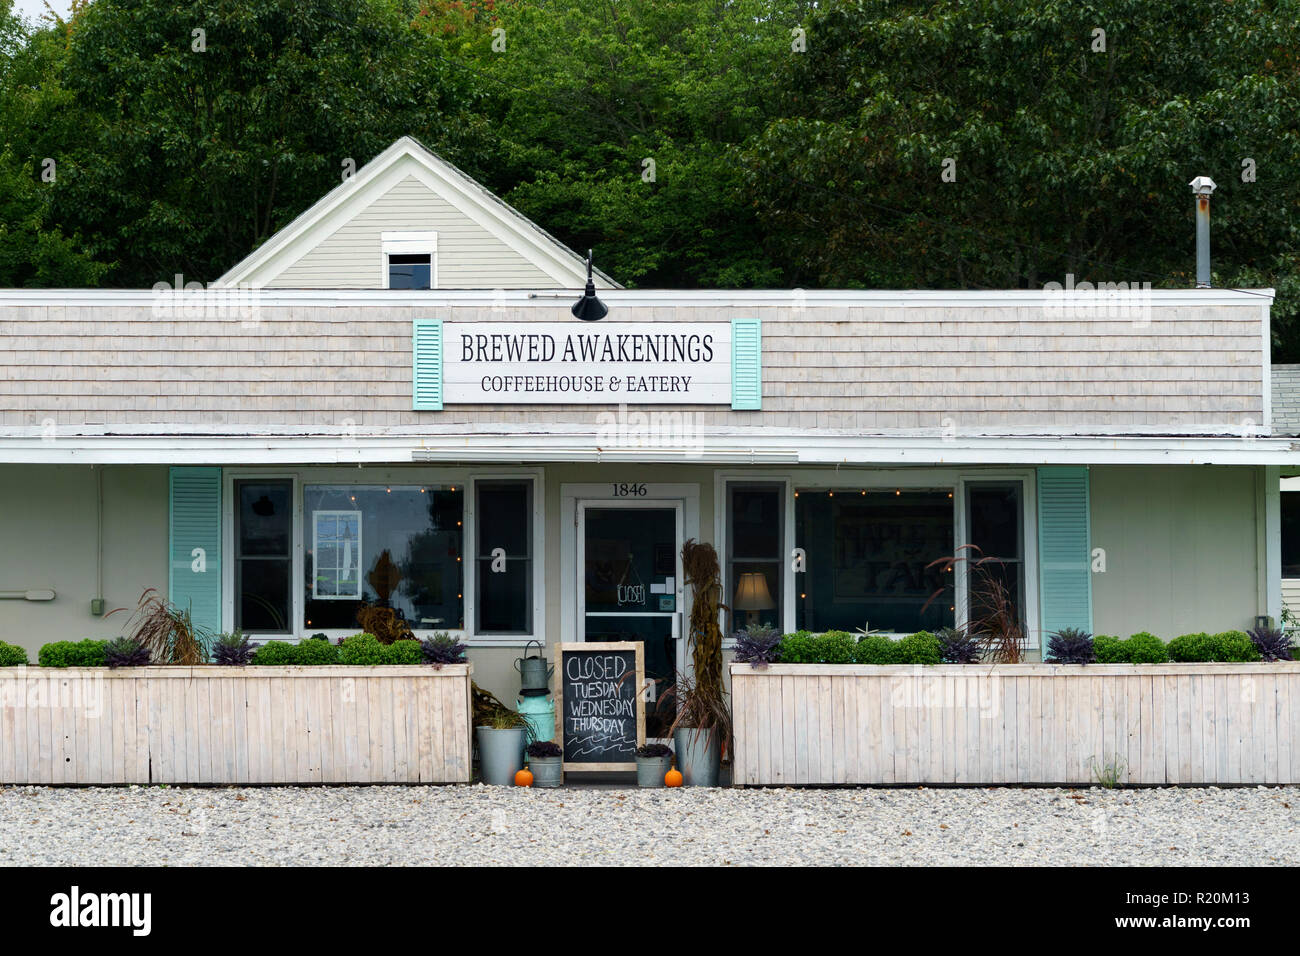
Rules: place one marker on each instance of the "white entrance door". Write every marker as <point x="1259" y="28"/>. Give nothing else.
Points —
<point x="629" y="585"/>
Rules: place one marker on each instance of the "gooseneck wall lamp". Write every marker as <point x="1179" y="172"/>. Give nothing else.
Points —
<point x="589" y="308"/>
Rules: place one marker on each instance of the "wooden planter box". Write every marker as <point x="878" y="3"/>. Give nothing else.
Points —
<point x="235" y="725"/>
<point x="1016" y="724"/>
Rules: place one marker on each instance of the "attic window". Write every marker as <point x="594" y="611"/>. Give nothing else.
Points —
<point x="410" y="260"/>
<point x="409" y="271"/>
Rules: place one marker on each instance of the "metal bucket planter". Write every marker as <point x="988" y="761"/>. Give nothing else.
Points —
<point x="650" y="771"/>
<point x="699" y="754"/>
<point x="547" y="771"/>
<point x="500" y="754"/>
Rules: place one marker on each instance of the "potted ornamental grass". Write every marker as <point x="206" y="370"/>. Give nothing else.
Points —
<point x="702" y="728"/>
<point x="546" y="761"/>
<point x="653" y="761"/>
<point x="501" y="734"/>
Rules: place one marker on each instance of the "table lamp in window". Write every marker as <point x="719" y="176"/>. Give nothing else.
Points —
<point x="752" y="596"/>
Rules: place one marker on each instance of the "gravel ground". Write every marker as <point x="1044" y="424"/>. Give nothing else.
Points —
<point x="487" y="825"/>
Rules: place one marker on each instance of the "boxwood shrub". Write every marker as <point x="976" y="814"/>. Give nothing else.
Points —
<point x="1144" y="648"/>
<point x="797" y="648"/>
<point x="315" y="652"/>
<point x="834" y="647"/>
<point x="274" y="654"/>
<point x="405" y="651"/>
<point x="1140" y="648"/>
<point x="1109" y="649"/>
<point x="878" y="649"/>
<point x="920" y="648"/>
<point x="363" y="649"/>
<point x="87" y="653"/>
<point x="12" y="656"/>
<point x="1226" y="646"/>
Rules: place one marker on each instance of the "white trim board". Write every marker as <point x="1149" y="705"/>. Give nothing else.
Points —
<point x="808" y="302"/>
<point x="539" y="446"/>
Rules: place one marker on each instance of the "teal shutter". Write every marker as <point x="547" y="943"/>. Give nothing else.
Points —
<point x="747" y="364"/>
<point x="426" y="365"/>
<point x="194" y="520"/>
<point x="1064" y="550"/>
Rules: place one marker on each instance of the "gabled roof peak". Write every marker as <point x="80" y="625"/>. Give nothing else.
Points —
<point x="497" y="226"/>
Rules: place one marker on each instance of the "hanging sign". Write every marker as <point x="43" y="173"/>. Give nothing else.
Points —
<point x="605" y="363"/>
<point x="599" y="708"/>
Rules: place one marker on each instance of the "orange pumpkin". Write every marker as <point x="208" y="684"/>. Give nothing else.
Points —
<point x="673" y="778"/>
<point x="524" y="778"/>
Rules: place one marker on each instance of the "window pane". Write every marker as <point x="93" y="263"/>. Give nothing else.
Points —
<point x="394" y="546"/>
<point x="265" y="518"/>
<point x="994" y="525"/>
<point x="263" y="529"/>
<point x="867" y="560"/>
<point x="409" y="271"/>
<point x="755" y="522"/>
<point x="262" y="601"/>
<point x="504" y="518"/>
<point x="753" y="572"/>
<point x="994" y="512"/>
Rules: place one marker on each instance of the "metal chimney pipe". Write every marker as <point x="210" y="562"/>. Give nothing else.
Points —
<point x="1202" y="186"/>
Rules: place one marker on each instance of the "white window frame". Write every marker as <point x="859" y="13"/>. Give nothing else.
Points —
<point x="721" y="510"/>
<point x="451" y="477"/>
<point x="315" y="549"/>
<point x="539" y="561"/>
<point x="228" y="480"/>
<point x="952" y="479"/>
<point x="410" y="243"/>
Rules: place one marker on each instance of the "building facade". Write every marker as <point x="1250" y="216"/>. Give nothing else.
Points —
<point x="391" y="403"/>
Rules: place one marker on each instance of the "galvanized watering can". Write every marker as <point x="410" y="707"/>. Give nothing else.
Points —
<point x="534" y="673"/>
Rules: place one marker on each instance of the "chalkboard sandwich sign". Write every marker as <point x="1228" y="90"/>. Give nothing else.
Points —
<point x="599" y="707"/>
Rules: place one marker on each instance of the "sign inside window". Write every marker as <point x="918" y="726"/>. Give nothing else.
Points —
<point x="336" y="554"/>
<point x="620" y="362"/>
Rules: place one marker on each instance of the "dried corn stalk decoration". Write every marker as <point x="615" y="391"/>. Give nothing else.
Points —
<point x="704" y="575"/>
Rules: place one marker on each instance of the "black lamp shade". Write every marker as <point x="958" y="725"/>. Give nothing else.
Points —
<point x="589" y="308"/>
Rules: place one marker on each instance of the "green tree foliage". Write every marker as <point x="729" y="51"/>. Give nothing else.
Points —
<point x="1068" y="158"/>
<point x="34" y="251"/>
<point x="773" y="166"/>
<point x="616" y="123"/>
<point x="181" y="151"/>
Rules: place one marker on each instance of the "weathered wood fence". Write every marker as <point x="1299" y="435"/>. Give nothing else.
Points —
<point x="235" y="725"/>
<point x="1016" y="724"/>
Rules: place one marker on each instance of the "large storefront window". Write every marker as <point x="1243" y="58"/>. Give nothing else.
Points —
<point x="754" y="529"/>
<point x="263" y="556"/>
<point x="867" y="554"/>
<point x="504" y="570"/>
<point x="397" y="546"/>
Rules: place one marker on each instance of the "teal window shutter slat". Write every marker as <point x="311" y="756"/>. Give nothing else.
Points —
<point x="194" y="544"/>
<point x="426" y="365"/>
<point x="747" y="364"/>
<point x="1064" y="550"/>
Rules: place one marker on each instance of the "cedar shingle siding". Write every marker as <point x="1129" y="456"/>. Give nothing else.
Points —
<point x="1006" y="369"/>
